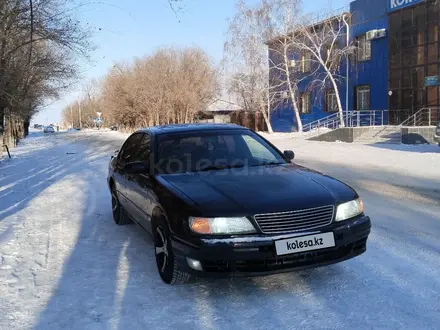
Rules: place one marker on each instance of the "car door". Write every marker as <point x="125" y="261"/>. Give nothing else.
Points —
<point x="125" y="156"/>
<point x="140" y="185"/>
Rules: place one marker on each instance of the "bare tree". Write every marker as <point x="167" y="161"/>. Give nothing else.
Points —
<point x="325" y="42"/>
<point x="170" y="86"/>
<point x="246" y="54"/>
<point x="260" y="50"/>
<point x="39" y="45"/>
<point x="301" y="50"/>
<point x="175" y="5"/>
<point x="288" y="66"/>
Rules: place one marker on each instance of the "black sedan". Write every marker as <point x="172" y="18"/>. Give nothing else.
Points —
<point x="220" y="200"/>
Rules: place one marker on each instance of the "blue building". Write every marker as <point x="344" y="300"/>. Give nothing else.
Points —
<point x="397" y="54"/>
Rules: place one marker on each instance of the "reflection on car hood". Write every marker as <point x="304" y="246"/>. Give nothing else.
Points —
<point x="254" y="190"/>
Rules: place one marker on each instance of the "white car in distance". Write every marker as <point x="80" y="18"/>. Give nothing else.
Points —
<point x="49" y="129"/>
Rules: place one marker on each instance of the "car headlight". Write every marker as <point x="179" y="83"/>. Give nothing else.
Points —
<point x="349" y="210"/>
<point x="218" y="226"/>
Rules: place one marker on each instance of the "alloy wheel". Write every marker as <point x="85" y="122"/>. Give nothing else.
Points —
<point x="115" y="202"/>
<point x="161" y="249"/>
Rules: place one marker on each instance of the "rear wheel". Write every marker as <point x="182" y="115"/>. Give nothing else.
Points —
<point x="166" y="265"/>
<point x="119" y="216"/>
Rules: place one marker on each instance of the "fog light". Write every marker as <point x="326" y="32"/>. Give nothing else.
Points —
<point x="194" y="264"/>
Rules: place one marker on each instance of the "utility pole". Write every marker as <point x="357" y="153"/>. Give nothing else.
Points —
<point x="79" y="112"/>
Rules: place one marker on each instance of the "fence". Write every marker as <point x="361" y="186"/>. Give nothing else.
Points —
<point x="252" y="120"/>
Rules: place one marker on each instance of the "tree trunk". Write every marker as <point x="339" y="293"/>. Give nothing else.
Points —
<point x="2" y="128"/>
<point x="292" y="92"/>
<point x="338" y="99"/>
<point x="2" y="115"/>
<point x="267" y="118"/>
<point x="8" y="135"/>
<point x="20" y="127"/>
<point x="295" y="106"/>
<point x="26" y="127"/>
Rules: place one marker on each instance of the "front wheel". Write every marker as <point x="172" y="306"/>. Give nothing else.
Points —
<point x="166" y="265"/>
<point x="118" y="212"/>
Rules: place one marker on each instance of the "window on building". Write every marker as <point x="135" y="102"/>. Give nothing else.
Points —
<point x="306" y="62"/>
<point x="305" y="104"/>
<point x="328" y="55"/>
<point x="364" y="48"/>
<point x="414" y="54"/>
<point x="363" y="97"/>
<point x="331" y="103"/>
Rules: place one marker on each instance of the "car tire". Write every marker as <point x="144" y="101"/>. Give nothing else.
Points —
<point x="119" y="215"/>
<point x="166" y="264"/>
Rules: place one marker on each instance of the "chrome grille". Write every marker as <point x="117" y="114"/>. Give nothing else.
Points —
<point x="275" y="223"/>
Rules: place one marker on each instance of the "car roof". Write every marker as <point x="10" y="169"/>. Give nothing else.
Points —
<point x="178" y="128"/>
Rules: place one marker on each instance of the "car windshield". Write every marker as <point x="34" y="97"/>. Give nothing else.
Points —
<point x="205" y="151"/>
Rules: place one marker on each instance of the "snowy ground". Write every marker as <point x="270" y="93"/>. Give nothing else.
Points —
<point x="65" y="264"/>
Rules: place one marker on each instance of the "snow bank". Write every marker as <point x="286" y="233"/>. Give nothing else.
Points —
<point x="34" y="142"/>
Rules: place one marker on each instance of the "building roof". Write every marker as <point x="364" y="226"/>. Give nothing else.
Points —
<point x="177" y="128"/>
<point x="227" y="103"/>
<point x="313" y="22"/>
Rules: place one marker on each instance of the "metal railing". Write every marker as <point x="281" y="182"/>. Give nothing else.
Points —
<point x="350" y="119"/>
<point x="423" y="117"/>
<point x="367" y="118"/>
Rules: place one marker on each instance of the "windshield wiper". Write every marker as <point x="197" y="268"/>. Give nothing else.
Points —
<point x="268" y="164"/>
<point x="219" y="167"/>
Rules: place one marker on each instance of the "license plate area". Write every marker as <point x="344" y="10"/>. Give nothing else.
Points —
<point x="304" y="243"/>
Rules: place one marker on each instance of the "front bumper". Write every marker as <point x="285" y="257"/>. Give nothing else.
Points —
<point x="256" y="255"/>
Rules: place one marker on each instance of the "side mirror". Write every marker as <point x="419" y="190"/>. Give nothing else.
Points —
<point x="136" y="168"/>
<point x="289" y="154"/>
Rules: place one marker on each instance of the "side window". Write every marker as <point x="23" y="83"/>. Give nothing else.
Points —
<point x="364" y="49"/>
<point x="306" y="60"/>
<point x="258" y="150"/>
<point x="331" y="103"/>
<point x="363" y="97"/>
<point x="304" y="103"/>
<point x="143" y="151"/>
<point x="130" y="148"/>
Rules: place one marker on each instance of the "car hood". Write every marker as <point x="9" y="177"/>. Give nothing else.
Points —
<point x="253" y="190"/>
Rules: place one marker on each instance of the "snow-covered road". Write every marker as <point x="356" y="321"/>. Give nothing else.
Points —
<point x="65" y="264"/>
